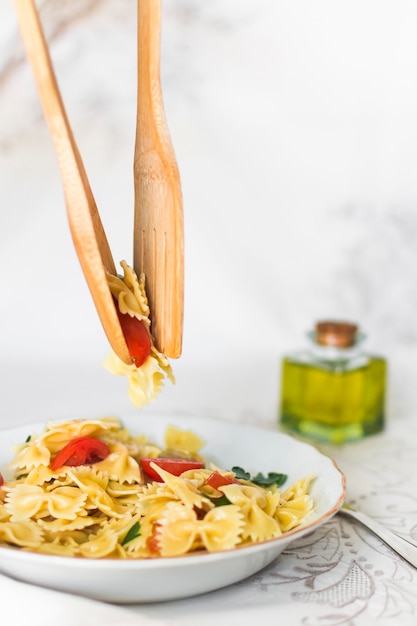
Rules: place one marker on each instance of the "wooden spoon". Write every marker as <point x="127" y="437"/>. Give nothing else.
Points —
<point x="158" y="228"/>
<point x="86" y="228"/>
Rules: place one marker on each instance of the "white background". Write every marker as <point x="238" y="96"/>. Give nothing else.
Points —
<point x="295" y="128"/>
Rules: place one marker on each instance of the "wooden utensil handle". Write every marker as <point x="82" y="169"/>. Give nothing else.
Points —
<point x="86" y="227"/>
<point x="158" y="199"/>
<point x="70" y="162"/>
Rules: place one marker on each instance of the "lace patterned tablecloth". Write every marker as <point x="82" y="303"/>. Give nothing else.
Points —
<point x="340" y="574"/>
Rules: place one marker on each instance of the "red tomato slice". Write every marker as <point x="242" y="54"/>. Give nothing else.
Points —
<point x="1" y="480"/>
<point x="152" y="542"/>
<point x="81" y="451"/>
<point x="136" y="336"/>
<point x="173" y="466"/>
<point x="216" y="480"/>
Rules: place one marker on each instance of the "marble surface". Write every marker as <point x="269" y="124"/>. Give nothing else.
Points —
<point x="295" y="129"/>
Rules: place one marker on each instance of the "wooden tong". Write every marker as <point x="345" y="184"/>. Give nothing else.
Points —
<point x="153" y="251"/>
<point x="158" y="229"/>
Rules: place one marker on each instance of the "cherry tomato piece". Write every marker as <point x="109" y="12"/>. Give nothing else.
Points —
<point x="81" y="451"/>
<point x="152" y="542"/>
<point x="173" y="466"/>
<point x="216" y="480"/>
<point x="137" y="337"/>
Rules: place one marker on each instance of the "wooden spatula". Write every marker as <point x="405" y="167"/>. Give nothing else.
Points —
<point x="86" y="228"/>
<point x="158" y="229"/>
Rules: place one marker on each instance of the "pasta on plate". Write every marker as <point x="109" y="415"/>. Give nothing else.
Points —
<point x="103" y="504"/>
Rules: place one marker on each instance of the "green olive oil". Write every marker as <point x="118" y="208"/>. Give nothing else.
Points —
<point x="334" y="393"/>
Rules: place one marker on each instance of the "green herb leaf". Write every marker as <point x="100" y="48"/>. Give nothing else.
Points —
<point x="28" y="438"/>
<point x="221" y="501"/>
<point x="240" y="473"/>
<point x="273" y="478"/>
<point x="132" y="533"/>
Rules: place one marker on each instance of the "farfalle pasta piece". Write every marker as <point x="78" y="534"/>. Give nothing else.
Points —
<point x="295" y="504"/>
<point x="200" y="476"/>
<point x="179" y="529"/>
<point x="144" y="382"/>
<point x="137" y="446"/>
<point x="56" y="436"/>
<point x="88" y="475"/>
<point x="258" y="526"/>
<point x="184" y="490"/>
<point x="151" y="507"/>
<point x="109" y="541"/>
<point x="43" y="475"/>
<point x="143" y="546"/>
<point x="33" y="454"/>
<point x="119" y="465"/>
<point x="59" y="526"/>
<point x="97" y="495"/>
<point x="37" y="451"/>
<point x="58" y="548"/>
<point x="101" y="545"/>
<point x="272" y="502"/>
<point x="182" y="440"/>
<point x="4" y="514"/>
<point x="222" y="528"/>
<point x="153" y="499"/>
<point x="66" y="537"/>
<point x="130" y="293"/>
<point x="64" y="525"/>
<point x="27" y="501"/>
<point x="65" y="503"/>
<point x="117" y="489"/>
<point x="290" y="514"/>
<point x="24" y="501"/>
<point x="25" y="534"/>
<point x="298" y="488"/>
<point x="197" y="476"/>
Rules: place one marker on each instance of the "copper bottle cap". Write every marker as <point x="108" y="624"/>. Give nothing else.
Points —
<point x="336" y="334"/>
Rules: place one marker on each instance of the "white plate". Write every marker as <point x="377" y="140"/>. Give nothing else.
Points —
<point x="129" y="581"/>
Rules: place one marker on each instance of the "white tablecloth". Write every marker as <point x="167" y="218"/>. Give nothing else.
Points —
<point x="337" y="575"/>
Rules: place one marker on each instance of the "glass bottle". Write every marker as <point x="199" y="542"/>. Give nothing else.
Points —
<point x="333" y="391"/>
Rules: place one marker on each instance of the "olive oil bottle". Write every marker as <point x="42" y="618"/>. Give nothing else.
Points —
<point x="333" y="392"/>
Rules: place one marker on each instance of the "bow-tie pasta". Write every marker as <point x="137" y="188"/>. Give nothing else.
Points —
<point x="149" y="368"/>
<point x="92" y="489"/>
